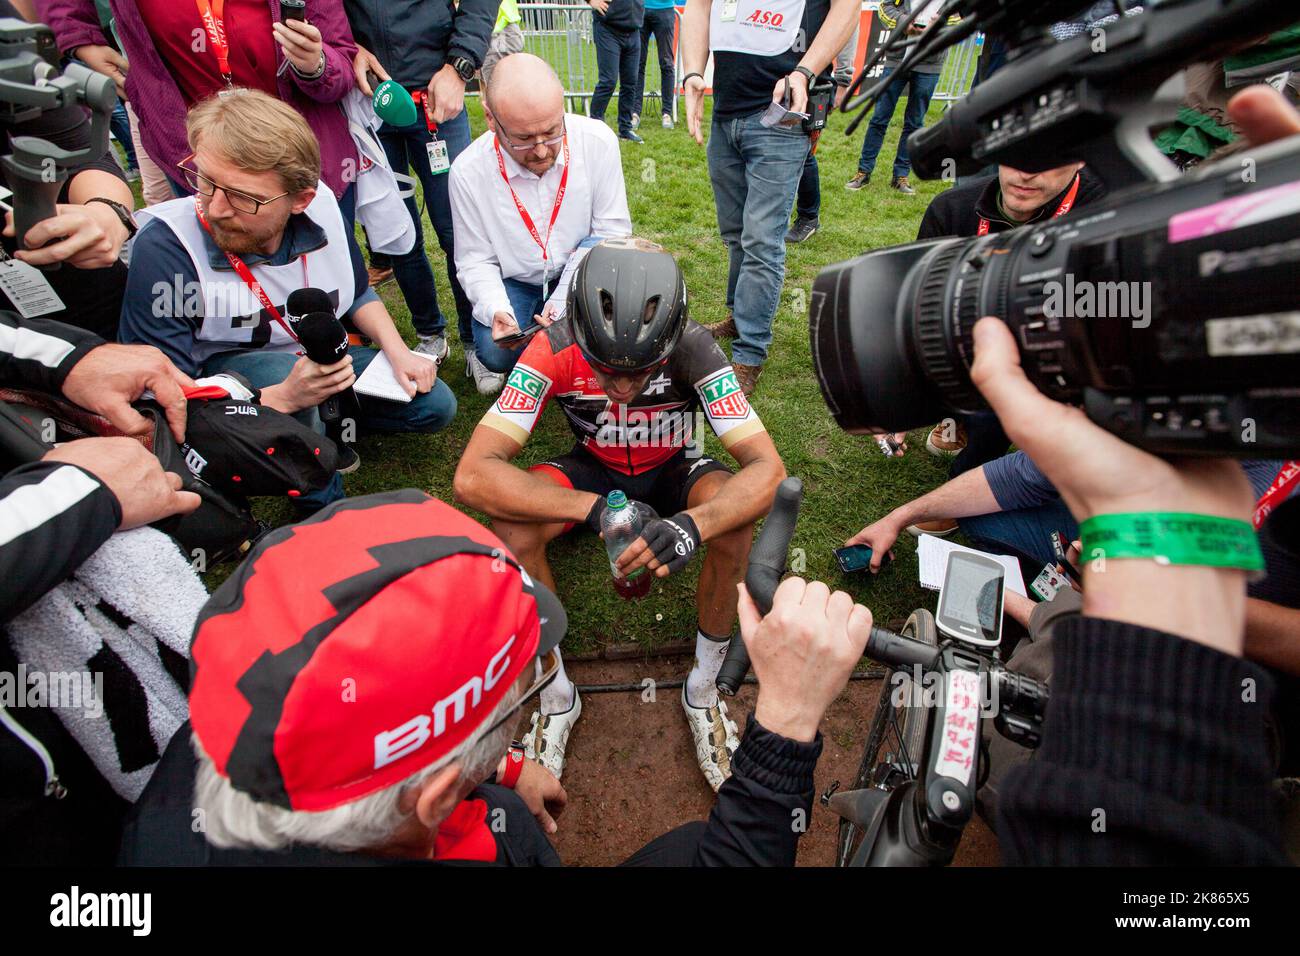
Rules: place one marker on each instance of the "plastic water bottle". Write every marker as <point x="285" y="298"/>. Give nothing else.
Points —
<point x="621" y="525"/>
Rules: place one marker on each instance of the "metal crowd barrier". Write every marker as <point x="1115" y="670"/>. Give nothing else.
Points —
<point x="959" y="69"/>
<point x="560" y="33"/>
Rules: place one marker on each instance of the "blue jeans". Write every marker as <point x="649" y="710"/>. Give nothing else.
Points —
<point x="1025" y="534"/>
<point x="425" y="413"/>
<point x="808" y="205"/>
<point x="920" y="90"/>
<point x="406" y="150"/>
<point x="617" y="57"/>
<point x="659" y="24"/>
<point x="121" y="127"/>
<point x="526" y="301"/>
<point x="755" y="171"/>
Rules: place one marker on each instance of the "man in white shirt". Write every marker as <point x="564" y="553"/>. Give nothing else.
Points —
<point x="524" y="196"/>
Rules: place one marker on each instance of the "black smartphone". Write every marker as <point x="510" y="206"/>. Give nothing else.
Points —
<point x="857" y="557"/>
<point x="293" y="10"/>
<point x="510" y="341"/>
<point x="1061" y="550"/>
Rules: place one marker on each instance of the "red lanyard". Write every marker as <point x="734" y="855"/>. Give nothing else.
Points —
<point x="421" y="98"/>
<point x="246" y="274"/>
<point x="1277" y="492"/>
<point x="211" y="12"/>
<point x="523" y="213"/>
<point x="1066" y="205"/>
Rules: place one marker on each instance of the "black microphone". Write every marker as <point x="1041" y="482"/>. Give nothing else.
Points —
<point x="325" y="340"/>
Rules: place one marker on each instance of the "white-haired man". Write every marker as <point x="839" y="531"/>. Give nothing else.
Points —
<point x="355" y="682"/>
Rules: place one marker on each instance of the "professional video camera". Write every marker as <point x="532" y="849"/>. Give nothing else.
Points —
<point x="30" y="83"/>
<point x="1170" y="312"/>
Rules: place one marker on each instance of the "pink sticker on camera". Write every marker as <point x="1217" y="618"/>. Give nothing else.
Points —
<point x="1235" y="213"/>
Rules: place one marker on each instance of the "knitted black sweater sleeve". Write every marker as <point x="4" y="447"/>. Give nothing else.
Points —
<point x="1154" y="753"/>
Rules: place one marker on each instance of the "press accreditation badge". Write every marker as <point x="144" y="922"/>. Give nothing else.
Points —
<point x="28" y="289"/>
<point x="438" y="161"/>
<point x="729" y="10"/>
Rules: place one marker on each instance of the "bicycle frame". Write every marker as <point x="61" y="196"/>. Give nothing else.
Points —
<point x="920" y="821"/>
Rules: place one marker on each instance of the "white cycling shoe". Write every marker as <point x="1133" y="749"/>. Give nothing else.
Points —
<point x="716" y="739"/>
<point x="548" y="736"/>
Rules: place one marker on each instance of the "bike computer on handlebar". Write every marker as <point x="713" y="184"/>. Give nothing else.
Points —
<point x="970" y="600"/>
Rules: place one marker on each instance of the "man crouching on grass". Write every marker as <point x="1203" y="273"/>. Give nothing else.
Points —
<point x="211" y="274"/>
<point x="630" y="371"/>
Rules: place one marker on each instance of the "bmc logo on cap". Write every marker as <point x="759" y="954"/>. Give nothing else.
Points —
<point x="392" y="745"/>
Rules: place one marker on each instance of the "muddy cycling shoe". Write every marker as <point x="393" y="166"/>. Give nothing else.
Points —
<point x="548" y="736"/>
<point x="716" y="739"/>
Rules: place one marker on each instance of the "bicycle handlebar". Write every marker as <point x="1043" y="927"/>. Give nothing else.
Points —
<point x="767" y="560"/>
<point x="1017" y="693"/>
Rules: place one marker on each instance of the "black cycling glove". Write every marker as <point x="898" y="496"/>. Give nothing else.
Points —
<point x="673" y="541"/>
<point x="647" y="513"/>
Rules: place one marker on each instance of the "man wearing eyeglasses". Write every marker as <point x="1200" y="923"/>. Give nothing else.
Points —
<point x="524" y="196"/>
<point x="212" y="273"/>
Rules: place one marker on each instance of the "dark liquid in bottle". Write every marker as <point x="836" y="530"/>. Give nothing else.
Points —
<point x="630" y="588"/>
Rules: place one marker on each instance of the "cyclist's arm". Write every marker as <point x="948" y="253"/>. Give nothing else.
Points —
<point x="487" y="481"/>
<point x="749" y="494"/>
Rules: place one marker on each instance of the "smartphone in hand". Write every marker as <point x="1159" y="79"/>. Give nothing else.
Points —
<point x="857" y="557"/>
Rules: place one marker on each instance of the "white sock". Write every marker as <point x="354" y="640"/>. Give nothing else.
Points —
<point x="557" y="696"/>
<point x="701" y="682"/>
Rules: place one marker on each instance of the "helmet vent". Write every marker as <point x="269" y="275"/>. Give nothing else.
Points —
<point x="606" y="305"/>
<point x="651" y="307"/>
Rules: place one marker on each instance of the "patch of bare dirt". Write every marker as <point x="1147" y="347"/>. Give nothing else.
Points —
<point x="631" y="773"/>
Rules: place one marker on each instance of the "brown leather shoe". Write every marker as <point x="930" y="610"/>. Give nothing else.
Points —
<point x="726" y="329"/>
<point x="377" y="275"/>
<point x="747" y="376"/>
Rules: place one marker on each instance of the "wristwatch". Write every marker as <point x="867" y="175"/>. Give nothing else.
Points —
<point x="123" y="213"/>
<point x="464" y="67"/>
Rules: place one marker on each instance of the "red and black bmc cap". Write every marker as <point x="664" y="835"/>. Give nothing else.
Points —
<point x="352" y="649"/>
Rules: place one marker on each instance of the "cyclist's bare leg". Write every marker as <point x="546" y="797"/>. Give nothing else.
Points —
<point x="724" y="564"/>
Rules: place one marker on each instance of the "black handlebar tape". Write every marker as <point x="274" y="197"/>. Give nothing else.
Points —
<point x="894" y="650"/>
<point x="767" y="559"/>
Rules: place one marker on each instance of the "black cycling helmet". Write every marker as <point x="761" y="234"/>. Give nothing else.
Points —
<point x="627" y="305"/>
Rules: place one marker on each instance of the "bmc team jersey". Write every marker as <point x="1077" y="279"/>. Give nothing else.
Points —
<point x="627" y="438"/>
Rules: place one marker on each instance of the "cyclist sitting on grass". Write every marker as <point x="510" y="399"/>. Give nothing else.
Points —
<point x="630" y="371"/>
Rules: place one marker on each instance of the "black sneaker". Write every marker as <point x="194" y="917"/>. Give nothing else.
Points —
<point x="631" y="137"/>
<point x="902" y="185"/>
<point x="802" y="229"/>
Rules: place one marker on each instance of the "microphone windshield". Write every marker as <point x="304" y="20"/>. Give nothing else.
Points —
<point x="393" y="104"/>
<point x="303" y="301"/>
<point x="322" y="336"/>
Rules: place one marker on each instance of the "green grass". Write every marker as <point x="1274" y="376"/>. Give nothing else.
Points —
<point x="847" y="481"/>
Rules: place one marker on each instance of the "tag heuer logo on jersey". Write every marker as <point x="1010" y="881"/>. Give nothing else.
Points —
<point x="723" y="397"/>
<point x="523" y="390"/>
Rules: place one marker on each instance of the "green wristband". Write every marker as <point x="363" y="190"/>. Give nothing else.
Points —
<point x="1173" y="537"/>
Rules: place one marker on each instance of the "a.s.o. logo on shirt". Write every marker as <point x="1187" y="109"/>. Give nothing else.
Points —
<point x="766" y="18"/>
